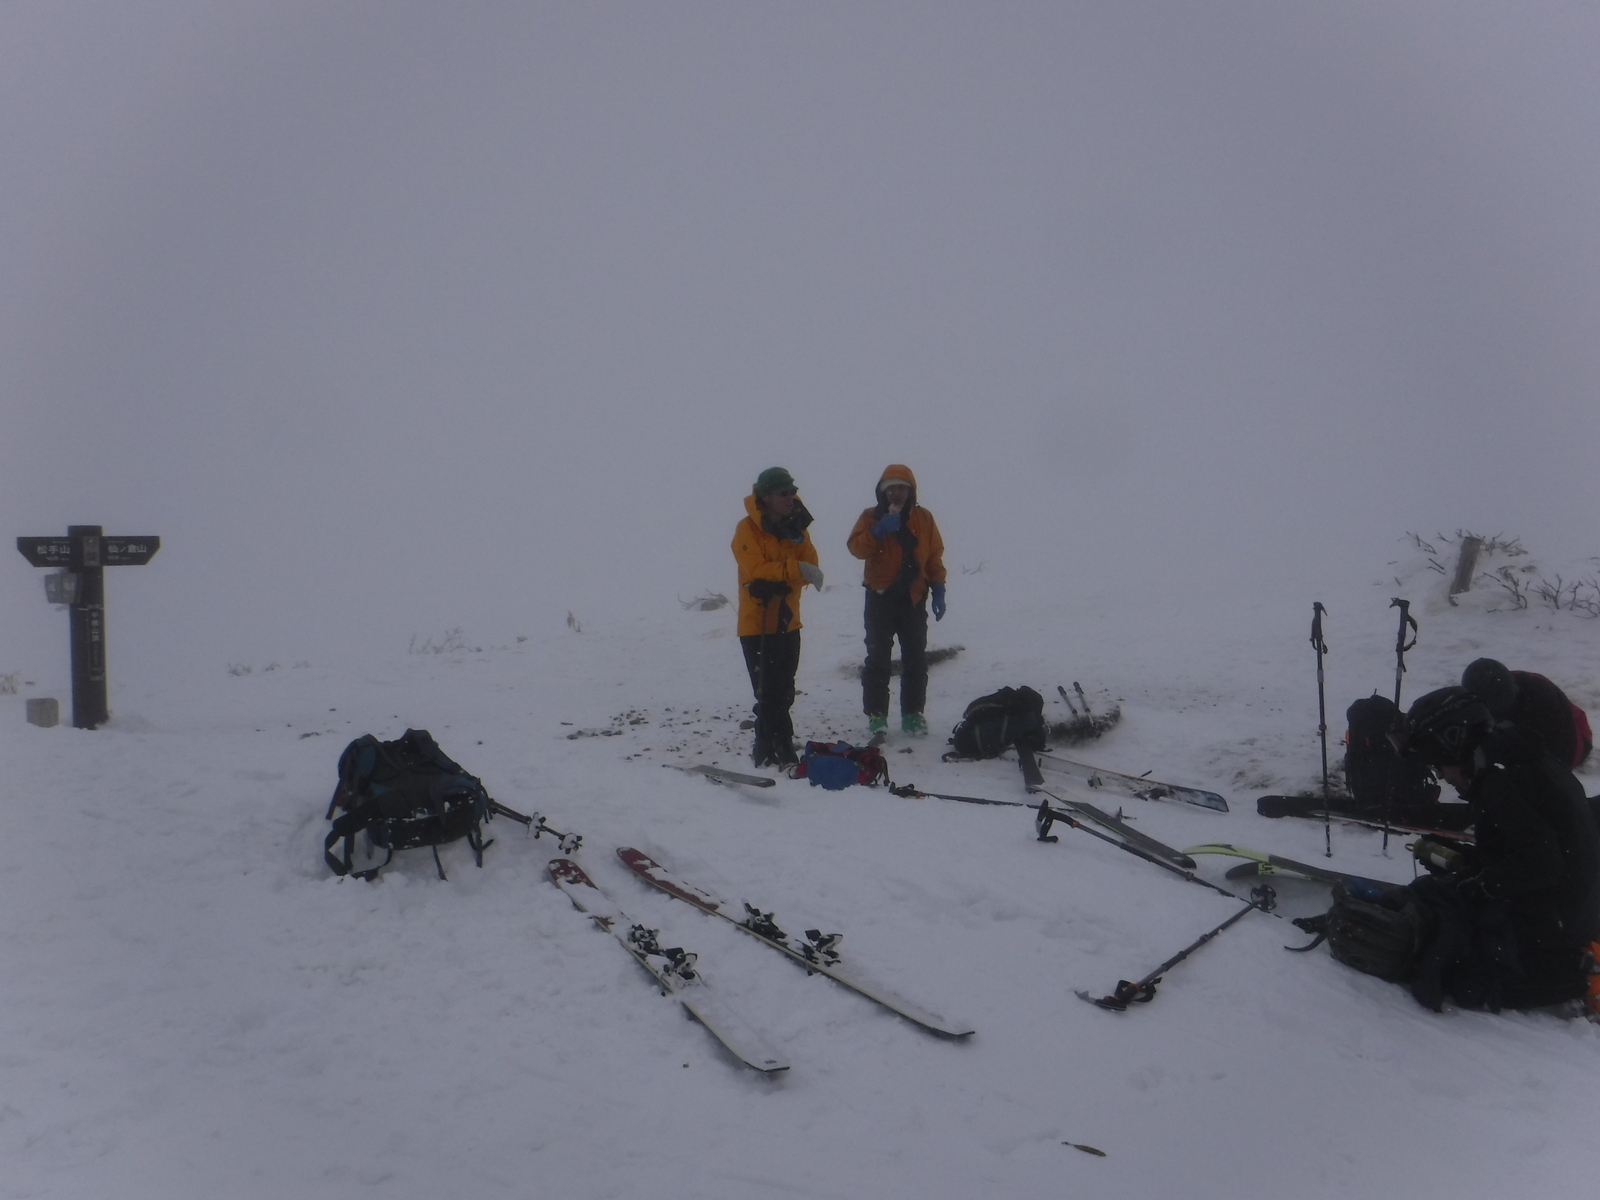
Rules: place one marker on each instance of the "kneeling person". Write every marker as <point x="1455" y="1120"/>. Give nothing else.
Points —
<point x="1515" y="913"/>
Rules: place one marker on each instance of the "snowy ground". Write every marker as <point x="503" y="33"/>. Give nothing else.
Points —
<point x="193" y="1007"/>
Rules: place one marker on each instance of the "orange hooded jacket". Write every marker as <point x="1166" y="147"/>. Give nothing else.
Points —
<point x="762" y="555"/>
<point x="883" y="558"/>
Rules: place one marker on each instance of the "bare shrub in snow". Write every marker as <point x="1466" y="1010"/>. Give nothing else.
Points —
<point x="708" y="602"/>
<point x="451" y="641"/>
<point x="1507" y="580"/>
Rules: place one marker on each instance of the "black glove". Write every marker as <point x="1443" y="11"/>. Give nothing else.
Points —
<point x="766" y="589"/>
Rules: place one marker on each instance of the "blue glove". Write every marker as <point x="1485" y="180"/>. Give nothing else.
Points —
<point x="937" y="589"/>
<point x="885" y="526"/>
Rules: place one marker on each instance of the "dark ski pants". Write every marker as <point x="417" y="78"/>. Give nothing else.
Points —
<point x="774" y="686"/>
<point x="891" y="615"/>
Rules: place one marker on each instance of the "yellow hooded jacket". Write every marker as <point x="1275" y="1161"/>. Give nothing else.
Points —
<point x="762" y="555"/>
<point x="883" y="558"/>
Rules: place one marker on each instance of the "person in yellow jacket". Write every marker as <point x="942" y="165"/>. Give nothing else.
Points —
<point x="904" y="556"/>
<point x="776" y="559"/>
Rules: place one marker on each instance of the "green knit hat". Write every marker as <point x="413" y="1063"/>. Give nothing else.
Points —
<point x="773" y="479"/>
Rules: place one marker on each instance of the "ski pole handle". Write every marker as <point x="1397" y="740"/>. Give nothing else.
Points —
<point x="1400" y="643"/>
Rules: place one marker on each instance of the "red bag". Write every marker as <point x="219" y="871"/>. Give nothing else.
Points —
<point x="838" y="765"/>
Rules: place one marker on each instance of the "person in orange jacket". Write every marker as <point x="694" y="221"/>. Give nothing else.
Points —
<point x="776" y="559"/>
<point x="904" y="556"/>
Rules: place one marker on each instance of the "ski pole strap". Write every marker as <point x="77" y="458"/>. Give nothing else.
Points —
<point x="1317" y="925"/>
<point x="1401" y="645"/>
<point x="1127" y="992"/>
<point x="1046" y="817"/>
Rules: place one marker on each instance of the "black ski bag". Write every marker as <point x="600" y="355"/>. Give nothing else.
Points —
<point x="405" y="794"/>
<point x="991" y="724"/>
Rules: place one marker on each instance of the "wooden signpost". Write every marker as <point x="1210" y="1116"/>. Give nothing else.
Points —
<point x="83" y="554"/>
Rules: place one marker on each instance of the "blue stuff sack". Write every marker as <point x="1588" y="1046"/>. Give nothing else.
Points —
<point x="838" y="765"/>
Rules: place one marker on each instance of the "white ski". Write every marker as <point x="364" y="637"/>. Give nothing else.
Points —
<point x="819" y="953"/>
<point x="673" y="969"/>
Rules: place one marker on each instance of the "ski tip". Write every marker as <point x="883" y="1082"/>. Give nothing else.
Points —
<point x="564" y="870"/>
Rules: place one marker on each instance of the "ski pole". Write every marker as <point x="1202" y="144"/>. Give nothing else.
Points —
<point x="1067" y="698"/>
<point x="1144" y="991"/>
<point x="1400" y="643"/>
<point x="1400" y="648"/>
<point x="759" y="752"/>
<point x="1082" y="699"/>
<point x="912" y="792"/>
<point x="1322" y="718"/>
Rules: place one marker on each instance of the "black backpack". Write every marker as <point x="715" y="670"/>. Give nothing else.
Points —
<point x="404" y="794"/>
<point x="993" y="723"/>
<point x="1383" y="782"/>
<point x="1378" y="930"/>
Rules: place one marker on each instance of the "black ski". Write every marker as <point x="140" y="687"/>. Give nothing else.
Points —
<point x="723" y="775"/>
<point x="1273" y="864"/>
<point x="1455" y="820"/>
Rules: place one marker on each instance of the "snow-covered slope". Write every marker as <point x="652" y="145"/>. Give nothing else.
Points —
<point x="192" y="1006"/>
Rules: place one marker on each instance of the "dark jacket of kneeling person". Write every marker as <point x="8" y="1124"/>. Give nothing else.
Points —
<point x="1538" y="848"/>
<point x="1514" y="923"/>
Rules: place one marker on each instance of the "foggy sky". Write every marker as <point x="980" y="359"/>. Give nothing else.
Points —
<point x="393" y="317"/>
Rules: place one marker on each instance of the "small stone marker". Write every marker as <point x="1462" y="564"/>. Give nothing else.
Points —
<point x="44" y="712"/>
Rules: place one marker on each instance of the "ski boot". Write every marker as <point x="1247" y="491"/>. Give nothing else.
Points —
<point x="914" y="723"/>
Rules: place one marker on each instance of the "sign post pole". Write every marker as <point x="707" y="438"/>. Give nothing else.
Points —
<point x="88" y="630"/>
<point x="85" y="553"/>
